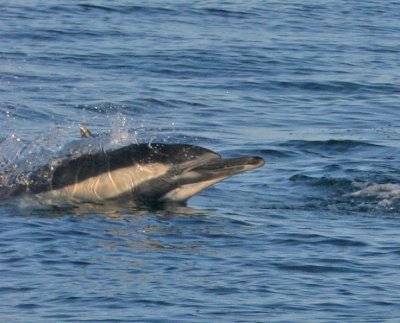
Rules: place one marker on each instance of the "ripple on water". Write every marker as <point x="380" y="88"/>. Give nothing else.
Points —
<point x="311" y="87"/>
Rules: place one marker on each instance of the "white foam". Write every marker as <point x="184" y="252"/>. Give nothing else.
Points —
<point x="386" y="194"/>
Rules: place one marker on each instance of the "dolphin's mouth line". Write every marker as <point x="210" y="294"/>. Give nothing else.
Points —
<point x="219" y="164"/>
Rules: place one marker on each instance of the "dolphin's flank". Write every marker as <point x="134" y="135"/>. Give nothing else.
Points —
<point x="138" y="173"/>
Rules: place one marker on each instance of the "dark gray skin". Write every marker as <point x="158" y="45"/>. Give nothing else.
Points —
<point x="154" y="173"/>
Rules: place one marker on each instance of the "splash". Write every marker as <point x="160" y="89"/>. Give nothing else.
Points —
<point x="120" y="131"/>
<point x="11" y="148"/>
<point x="386" y="195"/>
<point x="21" y="157"/>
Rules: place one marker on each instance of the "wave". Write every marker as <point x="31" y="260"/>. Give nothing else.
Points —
<point x="304" y="238"/>
<point x="331" y="145"/>
<point x="384" y="195"/>
<point x="126" y="9"/>
<point x="210" y="11"/>
<point x="338" y="87"/>
<point x="323" y="181"/>
<point x="318" y="268"/>
<point x="346" y="194"/>
<point x="228" y="13"/>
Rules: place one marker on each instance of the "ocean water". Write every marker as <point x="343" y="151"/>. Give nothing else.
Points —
<point x="311" y="86"/>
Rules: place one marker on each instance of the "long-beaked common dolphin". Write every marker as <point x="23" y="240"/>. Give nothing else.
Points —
<point x="139" y="173"/>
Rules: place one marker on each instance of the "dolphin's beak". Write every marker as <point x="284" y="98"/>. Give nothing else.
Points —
<point x="220" y="167"/>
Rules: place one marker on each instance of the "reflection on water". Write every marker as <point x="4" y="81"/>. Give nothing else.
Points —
<point x="112" y="209"/>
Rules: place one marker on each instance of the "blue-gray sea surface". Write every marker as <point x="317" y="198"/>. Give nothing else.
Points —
<point x="311" y="86"/>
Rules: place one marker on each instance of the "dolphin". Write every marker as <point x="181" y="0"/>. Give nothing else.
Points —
<point x="138" y="173"/>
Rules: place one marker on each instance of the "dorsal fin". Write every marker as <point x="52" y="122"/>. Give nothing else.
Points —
<point x="85" y="132"/>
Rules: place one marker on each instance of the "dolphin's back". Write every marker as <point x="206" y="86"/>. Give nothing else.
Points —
<point x="72" y="171"/>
